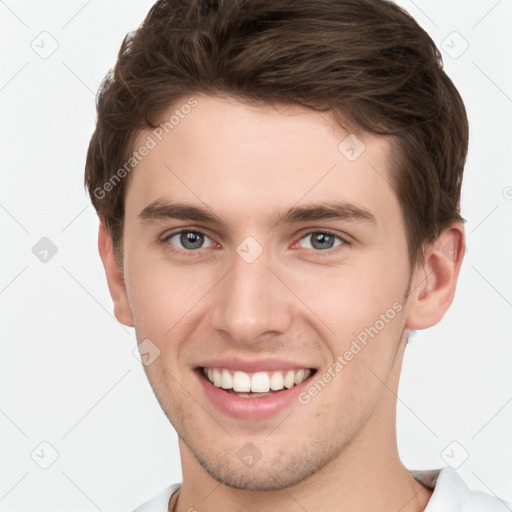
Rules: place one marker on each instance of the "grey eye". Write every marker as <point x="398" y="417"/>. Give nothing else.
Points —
<point x="189" y="240"/>
<point x="321" y="240"/>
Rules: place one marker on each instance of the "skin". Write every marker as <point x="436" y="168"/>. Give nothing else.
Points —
<point x="297" y="302"/>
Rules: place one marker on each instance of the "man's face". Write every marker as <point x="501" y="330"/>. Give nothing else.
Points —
<point x="267" y="296"/>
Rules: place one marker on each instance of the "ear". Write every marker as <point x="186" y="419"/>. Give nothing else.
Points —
<point x="115" y="279"/>
<point x="433" y="282"/>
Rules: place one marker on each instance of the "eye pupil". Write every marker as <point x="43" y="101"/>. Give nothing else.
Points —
<point x="191" y="239"/>
<point x="322" y="238"/>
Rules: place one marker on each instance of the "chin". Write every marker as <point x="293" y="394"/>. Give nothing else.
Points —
<point x="270" y="473"/>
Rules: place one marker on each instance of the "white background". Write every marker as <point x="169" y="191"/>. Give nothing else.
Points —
<point x="68" y="374"/>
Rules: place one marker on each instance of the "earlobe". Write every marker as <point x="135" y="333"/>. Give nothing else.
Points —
<point x="433" y="283"/>
<point x="114" y="275"/>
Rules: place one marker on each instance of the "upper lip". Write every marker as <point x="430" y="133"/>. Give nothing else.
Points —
<point x="253" y="365"/>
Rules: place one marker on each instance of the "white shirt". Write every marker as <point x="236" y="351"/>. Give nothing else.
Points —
<point x="450" y="495"/>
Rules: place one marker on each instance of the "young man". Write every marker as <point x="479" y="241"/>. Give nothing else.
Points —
<point x="278" y="187"/>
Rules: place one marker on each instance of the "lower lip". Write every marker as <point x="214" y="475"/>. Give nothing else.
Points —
<point x="250" y="408"/>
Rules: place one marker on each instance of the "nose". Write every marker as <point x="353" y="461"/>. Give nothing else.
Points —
<point x="251" y="303"/>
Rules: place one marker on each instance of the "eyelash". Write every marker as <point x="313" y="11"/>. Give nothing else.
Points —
<point x="313" y="252"/>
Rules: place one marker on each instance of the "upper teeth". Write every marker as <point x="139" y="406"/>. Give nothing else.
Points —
<point x="259" y="382"/>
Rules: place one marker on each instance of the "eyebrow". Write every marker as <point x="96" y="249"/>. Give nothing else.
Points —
<point x="162" y="209"/>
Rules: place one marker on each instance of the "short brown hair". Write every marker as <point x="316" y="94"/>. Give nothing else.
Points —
<point x="365" y="61"/>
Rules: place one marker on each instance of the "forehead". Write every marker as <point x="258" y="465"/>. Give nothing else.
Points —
<point x="249" y="161"/>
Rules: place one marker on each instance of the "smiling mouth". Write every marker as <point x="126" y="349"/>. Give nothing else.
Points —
<point x="256" y="384"/>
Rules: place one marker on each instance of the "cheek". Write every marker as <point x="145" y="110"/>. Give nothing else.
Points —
<point x="339" y="301"/>
<point x="168" y="305"/>
<point x="350" y="298"/>
<point x="161" y="295"/>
